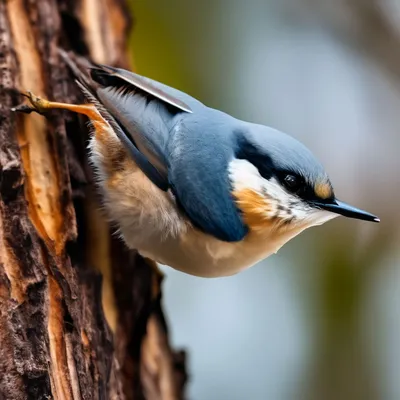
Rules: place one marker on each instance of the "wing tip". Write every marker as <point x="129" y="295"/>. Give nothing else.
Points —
<point x="102" y="74"/>
<point x="147" y="86"/>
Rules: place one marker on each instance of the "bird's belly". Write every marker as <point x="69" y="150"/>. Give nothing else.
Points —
<point x="198" y="254"/>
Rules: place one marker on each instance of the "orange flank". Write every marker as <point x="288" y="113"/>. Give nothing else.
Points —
<point x="255" y="209"/>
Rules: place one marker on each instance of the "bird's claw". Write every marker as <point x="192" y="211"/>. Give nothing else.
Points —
<point x="38" y="104"/>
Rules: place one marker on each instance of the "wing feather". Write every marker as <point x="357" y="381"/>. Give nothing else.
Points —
<point x="161" y="132"/>
<point x="101" y="72"/>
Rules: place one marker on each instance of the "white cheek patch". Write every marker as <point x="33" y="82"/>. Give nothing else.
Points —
<point x="293" y="208"/>
<point x="273" y="189"/>
<point x="244" y="175"/>
<point x="285" y="206"/>
<point x="281" y="204"/>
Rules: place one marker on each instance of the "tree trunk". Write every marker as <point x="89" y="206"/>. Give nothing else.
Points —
<point x="68" y="331"/>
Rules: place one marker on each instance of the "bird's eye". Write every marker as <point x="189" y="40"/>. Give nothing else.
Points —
<point x="292" y="183"/>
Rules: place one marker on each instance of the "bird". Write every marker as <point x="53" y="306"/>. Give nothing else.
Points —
<point x="192" y="187"/>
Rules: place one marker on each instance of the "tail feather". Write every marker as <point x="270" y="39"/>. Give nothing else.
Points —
<point x="80" y="69"/>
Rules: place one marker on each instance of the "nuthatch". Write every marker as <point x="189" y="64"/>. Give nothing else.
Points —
<point x="190" y="186"/>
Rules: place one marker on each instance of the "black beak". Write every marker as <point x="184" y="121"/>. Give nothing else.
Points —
<point x="338" y="207"/>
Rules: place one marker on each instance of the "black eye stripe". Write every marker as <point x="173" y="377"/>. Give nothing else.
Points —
<point x="263" y="163"/>
<point x="245" y="150"/>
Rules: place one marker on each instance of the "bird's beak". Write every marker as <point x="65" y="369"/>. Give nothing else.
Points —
<point x="338" y="207"/>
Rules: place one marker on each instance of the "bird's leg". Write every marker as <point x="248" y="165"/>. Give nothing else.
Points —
<point x="105" y="137"/>
<point x="40" y="106"/>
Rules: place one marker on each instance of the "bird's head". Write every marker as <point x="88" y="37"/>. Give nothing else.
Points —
<point x="277" y="182"/>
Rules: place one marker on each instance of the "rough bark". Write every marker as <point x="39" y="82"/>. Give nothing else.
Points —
<point x="80" y="316"/>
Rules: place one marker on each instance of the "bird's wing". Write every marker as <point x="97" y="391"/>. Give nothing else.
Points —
<point x="199" y="177"/>
<point x="105" y="74"/>
<point x="143" y="112"/>
<point x="188" y="149"/>
<point x="188" y="157"/>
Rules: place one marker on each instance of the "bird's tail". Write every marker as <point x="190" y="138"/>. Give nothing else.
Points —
<point x="81" y="67"/>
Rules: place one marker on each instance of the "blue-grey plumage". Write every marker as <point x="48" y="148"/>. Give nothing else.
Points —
<point x="193" y="187"/>
<point x="195" y="147"/>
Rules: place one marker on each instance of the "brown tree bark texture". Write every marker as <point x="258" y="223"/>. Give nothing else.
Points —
<point x="68" y="331"/>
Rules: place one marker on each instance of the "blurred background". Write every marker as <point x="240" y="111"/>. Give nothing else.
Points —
<point x="321" y="319"/>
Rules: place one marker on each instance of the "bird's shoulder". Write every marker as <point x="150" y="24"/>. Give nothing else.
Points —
<point x="201" y="146"/>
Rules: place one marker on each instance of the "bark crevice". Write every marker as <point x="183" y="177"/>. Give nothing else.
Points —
<point x="80" y="315"/>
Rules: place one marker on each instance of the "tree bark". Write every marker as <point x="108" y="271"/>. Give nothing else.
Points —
<point x="80" y="315"/>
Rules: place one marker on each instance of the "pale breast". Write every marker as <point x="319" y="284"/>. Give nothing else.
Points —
<point x="202" y="255"/>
